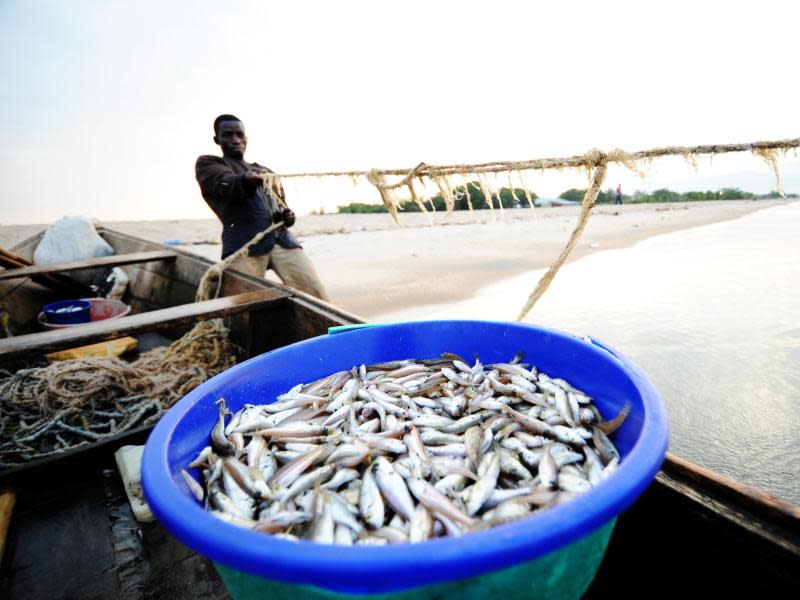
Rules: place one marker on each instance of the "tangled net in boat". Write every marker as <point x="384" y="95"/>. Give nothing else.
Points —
<point x="47" y="410"/>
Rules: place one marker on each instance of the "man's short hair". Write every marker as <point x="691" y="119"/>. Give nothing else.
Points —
<point x="221" y="119"/>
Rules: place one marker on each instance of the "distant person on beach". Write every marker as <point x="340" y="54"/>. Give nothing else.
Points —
<point x="235" y="192"/>
<point x="619" y="194"/>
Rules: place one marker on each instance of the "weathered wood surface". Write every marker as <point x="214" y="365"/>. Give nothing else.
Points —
<point x="49" y="341"/>
<point x="115" y="260"/>
<point x="59" y="546"/>
<point x="55" y="281"/>
<point x="23" y="303"/>
<point x="7" y="501"/>
<point x="289" y="323"/>
<point x="765" y="524"/>
<point x="22" y="253"/>
<point x="732" y="492"/>
<point x="189" y="268"/>
<point x="76" y="538"/>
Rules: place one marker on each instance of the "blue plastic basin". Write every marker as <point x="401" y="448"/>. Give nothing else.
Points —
<point x="68" y="312"/>
<point x="548" y="541"/>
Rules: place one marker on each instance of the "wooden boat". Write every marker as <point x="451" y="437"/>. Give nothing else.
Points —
<point x="73" y="534"/>
<point x="163" y="282"/>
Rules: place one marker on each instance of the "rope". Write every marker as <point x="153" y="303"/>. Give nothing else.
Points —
<point x="587" y="205"/>
<point x="768" y="154"/>
<point x="590" y="159"/>
<point x="594" y="161"/>
<point x="210" y="284"/>
<point x="438" y="174"/>
<point x="50" y="409"/>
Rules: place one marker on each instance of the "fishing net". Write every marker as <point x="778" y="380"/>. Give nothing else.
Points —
<point x="46" y="410"/>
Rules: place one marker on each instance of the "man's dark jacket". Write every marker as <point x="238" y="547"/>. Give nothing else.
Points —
<point x="244" y="209"/>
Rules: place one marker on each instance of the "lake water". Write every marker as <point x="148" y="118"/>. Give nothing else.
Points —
<point x="712" y="314"/>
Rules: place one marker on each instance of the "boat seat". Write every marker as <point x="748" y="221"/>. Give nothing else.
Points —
<point x="114" y="260"/>
<point x="185" y="314"/>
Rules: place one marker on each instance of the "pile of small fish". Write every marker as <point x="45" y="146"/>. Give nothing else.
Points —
<point x="405" y="451"/>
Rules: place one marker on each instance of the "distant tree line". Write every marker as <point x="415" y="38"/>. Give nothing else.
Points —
<point x="667" y="195"/>
<point x="518" y="199"/>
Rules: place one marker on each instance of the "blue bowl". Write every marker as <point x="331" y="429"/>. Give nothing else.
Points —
<point x="68" y="312"/>
<point x="250" y="561"/>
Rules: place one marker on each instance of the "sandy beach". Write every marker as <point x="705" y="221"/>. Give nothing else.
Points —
<point x="372" y="267"/>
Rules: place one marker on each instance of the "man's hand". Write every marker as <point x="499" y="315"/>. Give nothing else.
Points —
<point x="287" y="216"/>
<point x="254" y="177"/>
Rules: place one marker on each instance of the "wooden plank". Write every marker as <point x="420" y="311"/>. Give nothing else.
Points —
<point x="190" y="268"/>
<point x="98" y="350"/>
<point x="10" y="259"/>
<point x="50" y="555"/>
<point x="734" y="492"/>
<point x="114" y="260"/>
<point x="756" y="527"/>
<point x="315" y="314"/>
<point x="7" y="501"/>
<point x="56" y="282"/>
<point x="59" y="544"/>
<point x="50" y="341"/>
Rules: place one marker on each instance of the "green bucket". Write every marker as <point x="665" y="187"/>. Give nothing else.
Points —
<point x="562" y="574"/>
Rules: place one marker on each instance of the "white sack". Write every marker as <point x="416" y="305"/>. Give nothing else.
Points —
<point x="70" y="239"/>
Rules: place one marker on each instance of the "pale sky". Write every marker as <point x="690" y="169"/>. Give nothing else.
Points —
<point x="105" y="106"/>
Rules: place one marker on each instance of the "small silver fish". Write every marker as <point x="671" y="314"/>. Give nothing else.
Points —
<point x="370" y="501"/>
<point x="393" y="488"/>
<point x="450" y="448"/>
<point x="482" y="490"/>
<point x="219" y="441"/>
<point x="548" y="472"/>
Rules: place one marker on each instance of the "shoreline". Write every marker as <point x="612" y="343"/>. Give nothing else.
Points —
<point x="407" y="268"/>
<point x="372" y="267"/>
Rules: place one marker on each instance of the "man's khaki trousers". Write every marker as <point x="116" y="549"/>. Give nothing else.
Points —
<point x="290" y="264"/>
